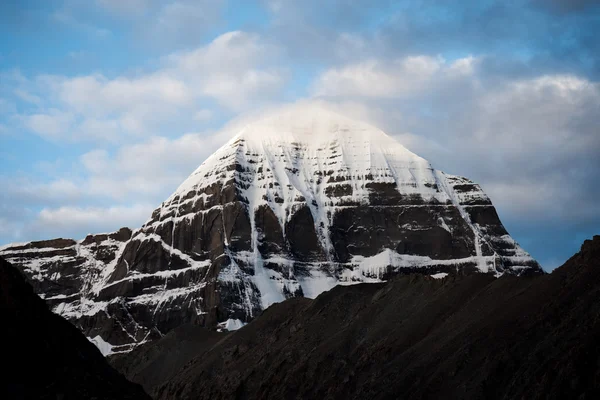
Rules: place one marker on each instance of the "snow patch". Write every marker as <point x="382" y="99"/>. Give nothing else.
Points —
<point x="439" y="275"/>
<point x="317" y="283"/>
<point x="231" y="324"/>
<point x="102" y="345"/>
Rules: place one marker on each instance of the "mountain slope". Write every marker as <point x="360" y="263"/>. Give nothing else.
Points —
<point x="293" y="205"/>
<point x="413" y="337"/>
<point x="153" y="366"/>
<point x="46" y="357"/>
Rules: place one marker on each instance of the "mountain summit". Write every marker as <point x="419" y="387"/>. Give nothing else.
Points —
<point x="293" y="205"/>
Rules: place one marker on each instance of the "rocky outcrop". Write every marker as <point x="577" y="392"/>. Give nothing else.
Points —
<point x="46" y="357"/>
<point x="292" y="206"/>
<point x="413" y="337"/>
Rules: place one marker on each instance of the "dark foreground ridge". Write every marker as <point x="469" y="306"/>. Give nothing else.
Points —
<point x="46" y="357"/>
<point x="413" y="338"/>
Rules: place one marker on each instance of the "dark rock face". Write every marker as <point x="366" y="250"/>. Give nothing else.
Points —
<point x="364" y="230"/>
<point x="156" y="365"/>
<point x="270" y="217"/>
<point x="46" y="357"/>
<point x="414" y="337"/>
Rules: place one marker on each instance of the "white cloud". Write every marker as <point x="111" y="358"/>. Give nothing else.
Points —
<point x="185" y="17"/>
<point x="71" y="221"/>
<point x="231" y="51"/>
<point x="28" y="97"/>
<point x="29" y="192"/>
<point x="51" y="124"/>
<point x="203" y="115"/>
<point x="238" y="91"/>
<point x="150" y="170"/>
<point x="236" y="69"/>
<point x="174" y="23"/>
<point x="390" y="79"/>
<point x="95" y="94"/>
<point x="112" y="190"/>
<point x="544" y="110"/>
<point x="115" y="108"/>
<point x="103" y="129"/>
<point x="521" y="197"/>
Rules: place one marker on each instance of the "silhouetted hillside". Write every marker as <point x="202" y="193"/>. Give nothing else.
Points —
<point x="413" y="337"/>
<point x="46" y="357"/>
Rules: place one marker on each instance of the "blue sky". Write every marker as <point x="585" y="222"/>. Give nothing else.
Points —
<point x="107" y="105"/>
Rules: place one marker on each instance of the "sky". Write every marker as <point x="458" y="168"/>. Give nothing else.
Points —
<point x="106" y="106"/>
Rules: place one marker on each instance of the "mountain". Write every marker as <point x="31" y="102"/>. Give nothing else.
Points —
<point x="46" y="357"/>
<point x="413" y="337"/>
<point x="293" y="205"/>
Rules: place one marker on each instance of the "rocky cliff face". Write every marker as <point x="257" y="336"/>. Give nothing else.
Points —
<point x="293" y="205"/>
<point x="68" y="273"/>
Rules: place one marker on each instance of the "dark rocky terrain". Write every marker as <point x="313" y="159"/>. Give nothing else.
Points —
<point x="46" y="357"/>
<point x="414" y="337"/>
<point x="292" y="206"/>
<point x="154" y="365"/>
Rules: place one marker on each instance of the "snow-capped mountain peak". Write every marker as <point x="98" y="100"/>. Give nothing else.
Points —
<point x="316" y="142"/>
<point x="294" y="204"/>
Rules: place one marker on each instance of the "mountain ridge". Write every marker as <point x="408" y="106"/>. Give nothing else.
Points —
<point x="294" y="205"/>
<point x="413" y="337"/>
